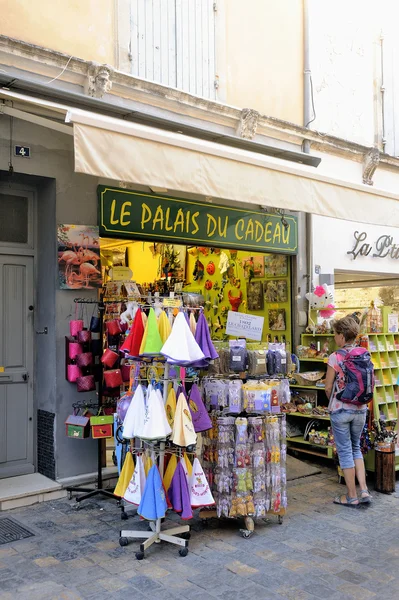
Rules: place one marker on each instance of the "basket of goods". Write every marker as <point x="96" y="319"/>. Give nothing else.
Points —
<point x="309" y="378"/>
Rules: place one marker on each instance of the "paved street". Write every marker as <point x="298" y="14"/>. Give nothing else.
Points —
<point x="321" y="551"/>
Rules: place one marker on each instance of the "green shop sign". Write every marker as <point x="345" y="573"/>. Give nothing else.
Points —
<point x="134" y="215"/>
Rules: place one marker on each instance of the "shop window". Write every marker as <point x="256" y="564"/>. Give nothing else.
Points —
<point x="173" y="43"/>
<point x="14" y="219"/>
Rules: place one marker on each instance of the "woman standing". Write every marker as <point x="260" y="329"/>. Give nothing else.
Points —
<point x="347" y="419"/>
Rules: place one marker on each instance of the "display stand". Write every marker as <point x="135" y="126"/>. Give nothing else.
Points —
<point x="156" y="534"/>
<point x="97" y="491"/>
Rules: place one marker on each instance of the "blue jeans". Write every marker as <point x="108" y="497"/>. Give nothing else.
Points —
<point x="347" y="426"/>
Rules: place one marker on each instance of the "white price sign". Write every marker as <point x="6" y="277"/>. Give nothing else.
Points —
<point x="243" y="325"/>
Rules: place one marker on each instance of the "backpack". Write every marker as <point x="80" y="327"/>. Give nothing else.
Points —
<point x="358" y="372"/>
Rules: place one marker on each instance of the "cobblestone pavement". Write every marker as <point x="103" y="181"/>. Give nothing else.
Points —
<point x="321" y="551"/>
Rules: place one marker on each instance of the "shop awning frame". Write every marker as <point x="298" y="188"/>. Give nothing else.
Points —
<point x="120" y="150"/>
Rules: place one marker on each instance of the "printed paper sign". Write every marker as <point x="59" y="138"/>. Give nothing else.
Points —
<point x="243" y="325"/>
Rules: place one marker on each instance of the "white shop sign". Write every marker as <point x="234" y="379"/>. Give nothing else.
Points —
<point x="243" y="325"/>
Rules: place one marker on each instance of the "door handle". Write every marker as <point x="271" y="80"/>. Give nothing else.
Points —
<point x="25" y="376"/>
<point x="44" y="332"/>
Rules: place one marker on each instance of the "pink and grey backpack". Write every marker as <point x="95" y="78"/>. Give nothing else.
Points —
<point x="358" y="373"/>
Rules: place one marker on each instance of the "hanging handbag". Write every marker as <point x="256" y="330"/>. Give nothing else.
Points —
<point x="86" y="383"/>
<point x="73" y="372"/>
<point x="74" y="349"/>
<point x="84" y="336"/>
<point x="95" y="324"/>
<point x="102" y="426"/>
<point x="113" y="327"/>
<point x="84" y="360"/>
<point x="113" y="378"/>
<point x="109" y="357"/>
<point x="75" y="326"/>
<point x="125" y="371"/>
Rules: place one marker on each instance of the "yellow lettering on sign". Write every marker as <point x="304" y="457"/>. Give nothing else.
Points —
<point x="223" y="232"/>
<point x="211" y="223"/>
<point x="179" y="221"/>
<point x="277" y="233"/>
<point x="268" y="232"/>
<point x="146" y="214"/>
<point x="158" y="217"/>
<point x="239" y="224"/>
<point x="112" y="219"/>
<point x="258" y="231"/>
<point x="286" y="234"/>
<point x="125" y="212"/>
<point x="249" y="232"/>
<point x="167" y="215"/>
<point x="194" y="218"/>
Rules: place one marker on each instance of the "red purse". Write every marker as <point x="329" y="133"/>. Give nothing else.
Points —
<point x="85" y="359"/>
<point x="74" y="349"/>
<point x="109" y="357"/>
<point x="113" y="327"/>
<point x="113" y="378"/>
<point x="75" y="326"/>
<point x="84" y="336"/>
<point x="73" y="372"/>
<point x="86" y="383"/>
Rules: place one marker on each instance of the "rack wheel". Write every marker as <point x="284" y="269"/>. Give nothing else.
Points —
<point x="185" y="536"/>
<point x="123" y="541"/>
<point x="280" y="520"/>
<point x="246" y="533"/>
<point x="183" y="551"/>
<point x="139" y="555"/>
<point x="124" y="516"/>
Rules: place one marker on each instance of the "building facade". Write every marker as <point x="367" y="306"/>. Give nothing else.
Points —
<point x="230" y="94"/>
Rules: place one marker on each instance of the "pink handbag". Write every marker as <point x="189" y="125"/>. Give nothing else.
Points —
<point x="75" y="326"/>
<point x="74" y="349"/>
<point x="113" y="378"/>
<point x="73" y="372"/>
<point x="84" y="336"/>
<point x="85" y="359"/>
<point x="109" y="357"/>
<point x="113" y="327"/>
<point x="85" y="383"/>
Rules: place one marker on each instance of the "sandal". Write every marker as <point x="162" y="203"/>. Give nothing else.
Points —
<point x="365" y="499"/>
<point x="350" y="502"/>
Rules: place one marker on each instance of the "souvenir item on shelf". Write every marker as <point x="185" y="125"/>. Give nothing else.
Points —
<point x="248" y="266"/>
<point x="255" y="295"/>
<point x="276" y="265"/>
<point x="223" y="262"/>
<point x="178" y="493"/>
<point x="198" y="272"/>
<point x="235" y="396"/>
<point x="109" y="358"/>
<point x="122" y="406"/>
<point x="170" y="470"/>
<point x="170" y="406"/>
<point x="183" y="433"/>
<point x="131" y="345"/>
<point x="164" y="326"/>
<point x="200" y="493"/>
<point x="73" y="372"/>
<point x="77" y="427"/>
<point x="235" y="301"/>
<point x="374" y="319"/>
<point x="277" y="321"/>
<point x="156" y="426"/>
<point x="181" y="347"/>
<point x="113" y="327"/>
<point x="199" y="414"/>
<point x="74" y="348"/>
<point x="84" y="360"/>
<point x="238" y="356"/>
<point x="259" y="266"/>
<point x="125" y="476"/>
<point x="75" y="326"/>
<point x="84" y="336"/>
<point x="134" y="419"/>
<point x="130" y="312"/>
<point x="210" y="268"/>
<point x="86" y="383"/>
<point x="136" y="485"/>
<point x="151" y="343"/>
<point x="102" y="426"/>
<point x="321" y="299"/>
<point x="113" y="378"/>
<point x="153" y="503"/>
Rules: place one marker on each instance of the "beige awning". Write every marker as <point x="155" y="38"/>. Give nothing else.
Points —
<point x="111" y="148"/>
<point x="130" y="152"/>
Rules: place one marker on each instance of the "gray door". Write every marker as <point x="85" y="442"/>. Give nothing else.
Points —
<point x="16" y="365"/>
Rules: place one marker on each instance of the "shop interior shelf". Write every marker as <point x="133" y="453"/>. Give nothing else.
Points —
<point x="307" y="387"/>
<point x="298" y="414"/>
<point x="295" y="443"/>
<point x="313" y="359"/>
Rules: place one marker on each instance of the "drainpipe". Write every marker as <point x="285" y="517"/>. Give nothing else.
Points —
<point x="307" y="118"/>
<point x="382" y="89"/>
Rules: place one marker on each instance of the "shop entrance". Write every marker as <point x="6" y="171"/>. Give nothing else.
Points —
<point x="16" y="339"/>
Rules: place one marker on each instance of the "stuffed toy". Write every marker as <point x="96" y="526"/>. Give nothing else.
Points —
<point x="321" y="299"/>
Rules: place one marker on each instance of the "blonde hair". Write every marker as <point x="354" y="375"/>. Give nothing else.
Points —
<point x="348" y="327"/>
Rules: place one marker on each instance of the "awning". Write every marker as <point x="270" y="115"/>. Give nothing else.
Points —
<point x="111" y="148"/>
